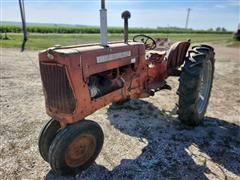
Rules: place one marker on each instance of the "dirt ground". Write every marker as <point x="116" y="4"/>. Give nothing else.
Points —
<point x="148" y="143"/>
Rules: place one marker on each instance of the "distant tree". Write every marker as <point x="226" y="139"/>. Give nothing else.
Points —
<point x="210" y="29"/>
<point x="224" y="29"/>
<point x="221" y="29"/>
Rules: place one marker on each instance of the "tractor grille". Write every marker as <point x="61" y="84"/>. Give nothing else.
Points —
<point x="58" y="93"/>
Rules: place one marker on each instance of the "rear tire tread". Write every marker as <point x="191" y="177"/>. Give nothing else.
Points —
<point x="189" y="84"/>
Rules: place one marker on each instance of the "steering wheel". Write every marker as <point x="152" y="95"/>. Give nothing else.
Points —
<point x="149" y="42"/>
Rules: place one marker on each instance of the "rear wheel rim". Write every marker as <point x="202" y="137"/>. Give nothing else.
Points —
<point x="205" y="87"/>
<point x="80" y="150"/>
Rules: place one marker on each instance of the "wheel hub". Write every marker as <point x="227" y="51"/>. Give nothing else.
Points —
<point x="80" y="150"/>
<point x="205" y="86"/>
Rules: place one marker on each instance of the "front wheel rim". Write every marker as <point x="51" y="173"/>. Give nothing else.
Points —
<point x="205" y="87"/>
<point x="80" y="150"/>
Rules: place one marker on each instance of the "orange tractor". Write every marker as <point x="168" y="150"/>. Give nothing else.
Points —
<point x="78" y="80"/>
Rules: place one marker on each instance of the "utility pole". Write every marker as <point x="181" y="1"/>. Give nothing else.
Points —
<point x="187" y="20"/>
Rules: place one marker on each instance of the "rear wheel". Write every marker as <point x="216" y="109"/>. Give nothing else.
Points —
<point x="195" y="85"/>
<point x="76" y="147"/>
<point x="46" y="137"/>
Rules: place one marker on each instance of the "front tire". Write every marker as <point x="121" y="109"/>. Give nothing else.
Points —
<point x="76" y="147"/>
<point x="195" y="85"/>
<point x="46" y="137"/>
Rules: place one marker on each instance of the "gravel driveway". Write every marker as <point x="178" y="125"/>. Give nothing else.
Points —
<point x="145" y="142"/>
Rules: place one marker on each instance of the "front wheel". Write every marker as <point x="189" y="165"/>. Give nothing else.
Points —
<point x="75" y="147"/>
<point x="195" y="85"/>
<point x="47" y="134"/>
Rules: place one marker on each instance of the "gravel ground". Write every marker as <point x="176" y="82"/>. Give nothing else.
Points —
<point x="143" y="143"/>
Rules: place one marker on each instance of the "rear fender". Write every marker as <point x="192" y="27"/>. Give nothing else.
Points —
<point x="177" y="54"/>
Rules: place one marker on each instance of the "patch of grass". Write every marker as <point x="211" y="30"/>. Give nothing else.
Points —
<point x="43" y="41"/>
<point x="4" y="36"/>
<point x="234" y="43"/>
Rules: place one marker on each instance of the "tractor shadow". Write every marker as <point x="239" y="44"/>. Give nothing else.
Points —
<point x="174" y="151"/>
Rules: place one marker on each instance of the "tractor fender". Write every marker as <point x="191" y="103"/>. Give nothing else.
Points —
<point x="177" y="54"/>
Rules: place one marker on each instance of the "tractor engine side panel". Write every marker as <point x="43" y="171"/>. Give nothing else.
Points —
<point x="90" y="77"/>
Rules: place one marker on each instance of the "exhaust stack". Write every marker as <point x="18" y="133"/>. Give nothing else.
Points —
<point x="103" y="24"/>
<point x="126" y="15"/>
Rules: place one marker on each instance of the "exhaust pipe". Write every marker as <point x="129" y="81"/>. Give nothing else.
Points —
<point x="126" y="15"/>
<point x="103" y="24"/>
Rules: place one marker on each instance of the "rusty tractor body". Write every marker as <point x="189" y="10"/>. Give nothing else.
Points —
<point x="78" y="80"/>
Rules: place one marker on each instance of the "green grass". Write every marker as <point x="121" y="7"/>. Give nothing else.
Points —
<point x="42" y="41"/>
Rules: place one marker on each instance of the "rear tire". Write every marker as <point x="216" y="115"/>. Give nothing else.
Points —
<point x="195" y="85"/>
<point x="76" y="147"/>
<point x="46" y="137"/>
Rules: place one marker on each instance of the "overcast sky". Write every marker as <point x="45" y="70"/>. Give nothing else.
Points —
<point x="152" y="13"/>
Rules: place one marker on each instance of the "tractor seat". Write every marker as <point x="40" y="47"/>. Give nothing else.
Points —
<point x="177" y="54"/>
<point x="154" y="52"/>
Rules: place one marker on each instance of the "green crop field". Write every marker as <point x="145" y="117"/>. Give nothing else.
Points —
<point x="64" y="29"/>
<point x="42" y="41"/>
<point x="42" y="36"/>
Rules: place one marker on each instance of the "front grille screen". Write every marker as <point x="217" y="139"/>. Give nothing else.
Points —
<point x="58" y="92"/>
